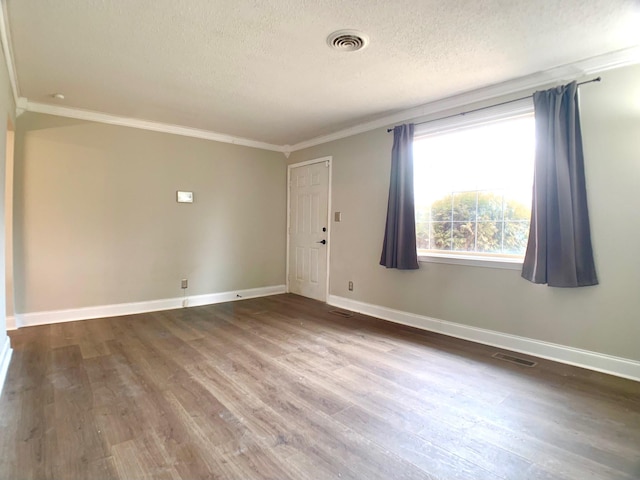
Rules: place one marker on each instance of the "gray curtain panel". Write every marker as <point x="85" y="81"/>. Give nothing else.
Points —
<point x="399" y="248"/>
<point x="559" y="251"/>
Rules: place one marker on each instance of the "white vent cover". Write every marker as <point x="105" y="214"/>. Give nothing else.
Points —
<point x="347" y="40"/>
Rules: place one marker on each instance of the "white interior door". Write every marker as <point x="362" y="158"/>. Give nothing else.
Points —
<point x="309" y="229"/>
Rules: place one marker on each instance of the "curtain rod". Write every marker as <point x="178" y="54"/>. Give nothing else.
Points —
<point x="597" y="79"/>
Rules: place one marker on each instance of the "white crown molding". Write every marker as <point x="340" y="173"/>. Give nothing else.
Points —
<point x="523" y="85"/>
<point x="86" y="313"/>
<point x="21" y="106"/>
<point x="147" y="125"/>
<point x="528" y="84"/>
<point x="5" y="38"/>
<point x="599" y="362"/>
<point x="5" y="360"/>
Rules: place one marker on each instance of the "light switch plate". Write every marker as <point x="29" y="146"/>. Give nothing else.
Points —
<point x="337" y="216"/>
<point x="184" y="197"/>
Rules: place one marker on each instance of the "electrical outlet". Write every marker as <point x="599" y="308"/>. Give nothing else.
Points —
<point x="350" y="286"/>
<point x="184" y="284"/>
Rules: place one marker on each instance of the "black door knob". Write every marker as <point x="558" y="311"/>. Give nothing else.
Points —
<point x="322" y="242"/>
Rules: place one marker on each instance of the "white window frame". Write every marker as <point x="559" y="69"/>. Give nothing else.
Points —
<point x="489" y="115"/>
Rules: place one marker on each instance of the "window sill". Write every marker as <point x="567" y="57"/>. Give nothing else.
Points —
<point x="472" y="261"/>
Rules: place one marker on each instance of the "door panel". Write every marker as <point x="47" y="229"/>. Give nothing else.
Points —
<point x="308" y="200"/>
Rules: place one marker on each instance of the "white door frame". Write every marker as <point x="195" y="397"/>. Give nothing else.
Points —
<point x="329" y="161"/>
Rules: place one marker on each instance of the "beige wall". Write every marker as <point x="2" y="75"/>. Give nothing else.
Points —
<point x="97" y="223"/>
<point x="601" y="319"/>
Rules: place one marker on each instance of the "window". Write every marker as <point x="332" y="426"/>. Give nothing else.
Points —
<point x="473" y="186"/>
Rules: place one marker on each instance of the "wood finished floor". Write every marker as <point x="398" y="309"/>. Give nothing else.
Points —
<point x="279" y="388"/>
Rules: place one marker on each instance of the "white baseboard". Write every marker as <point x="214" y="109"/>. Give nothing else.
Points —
<point x="599" y="362"/>
<point x="212" y="298"/>
<point x="5" y="359"/>
<point x="57" y="316"/>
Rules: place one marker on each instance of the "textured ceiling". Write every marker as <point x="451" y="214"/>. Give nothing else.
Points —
<point x="262" y="69"/>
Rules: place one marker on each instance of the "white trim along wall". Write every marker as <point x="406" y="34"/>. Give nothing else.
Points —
<point x="5" y="359"/>
<point x="599" y="362"/>
<point x="617" y="366"/>
<point x="86" y="313"/>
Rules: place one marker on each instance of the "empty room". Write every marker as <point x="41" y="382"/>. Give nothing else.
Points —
<point x="285" y="239"/>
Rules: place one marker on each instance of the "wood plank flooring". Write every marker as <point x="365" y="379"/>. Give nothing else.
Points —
<point x="280" y="388"/>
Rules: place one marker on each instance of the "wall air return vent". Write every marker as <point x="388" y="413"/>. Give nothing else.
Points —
<point x="342" y="313"/>
<point x="517" y="360"/>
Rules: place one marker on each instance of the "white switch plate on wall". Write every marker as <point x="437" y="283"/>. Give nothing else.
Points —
<point x="185" y="197"/>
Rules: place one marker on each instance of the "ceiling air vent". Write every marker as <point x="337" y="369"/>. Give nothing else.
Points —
<point x="347" y="40"/>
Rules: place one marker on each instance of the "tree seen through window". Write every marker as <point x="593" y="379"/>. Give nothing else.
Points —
<point x="473" y="188"/>
<point x="475" y="221"/>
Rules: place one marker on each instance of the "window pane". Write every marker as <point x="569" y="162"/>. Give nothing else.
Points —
<point x="490" y="237"/>
<point x="441" y="210"/>
<point x="423" y="235"/>
<point x="490" y="206"/>
<point x="465" y="206"/>
<point x="517" y="208"/>
<point x="473" y="188"/>
<point x="464" y="236"/>
<point x="441" y="236"/>
<point x="515" y="237"/>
